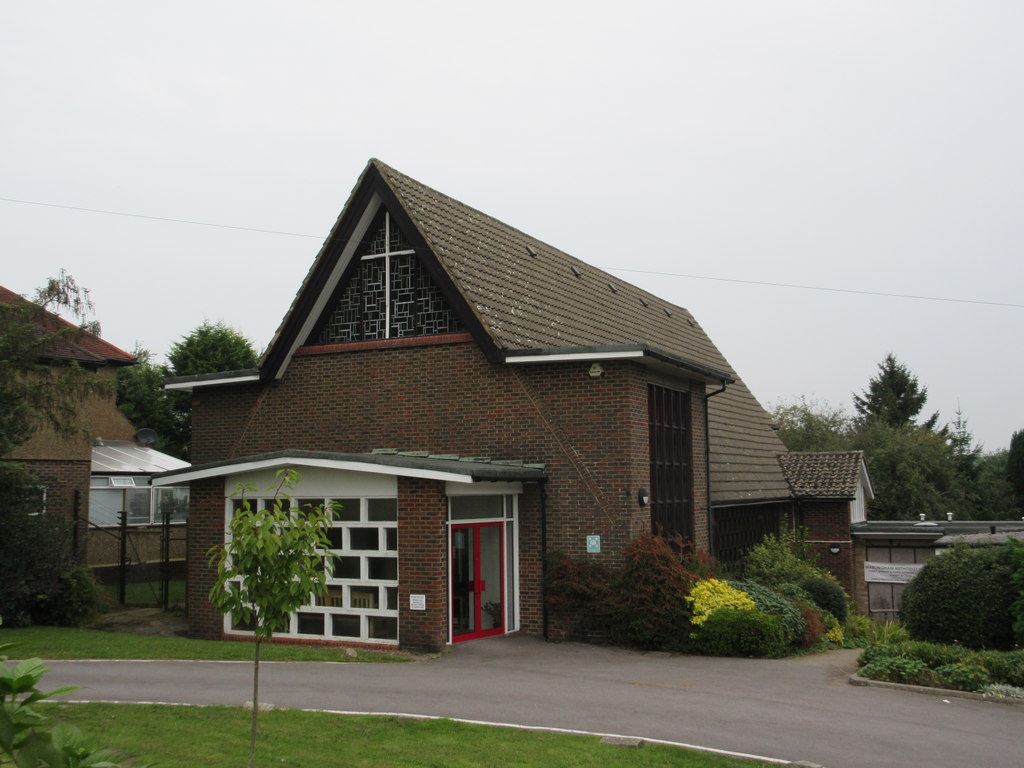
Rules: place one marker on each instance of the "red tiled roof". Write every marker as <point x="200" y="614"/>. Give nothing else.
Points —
<point x="79" y="346"/>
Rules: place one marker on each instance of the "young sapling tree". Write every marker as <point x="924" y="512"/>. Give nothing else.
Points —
<point x="271" y="564"/>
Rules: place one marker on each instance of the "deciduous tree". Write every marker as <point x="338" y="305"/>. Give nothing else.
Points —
<point x="812" y="425"/>
<point x="272" y="564"/>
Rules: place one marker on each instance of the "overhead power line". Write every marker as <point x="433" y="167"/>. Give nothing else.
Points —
<point x="158" y="218"/>
<point x="818" y="288"/>
<point x="761" y="283"/>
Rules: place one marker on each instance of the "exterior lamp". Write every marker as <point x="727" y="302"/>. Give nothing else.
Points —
<point x="643" y="497"/>
<point x="833" y="549"/>
<point x="596" y="371"/>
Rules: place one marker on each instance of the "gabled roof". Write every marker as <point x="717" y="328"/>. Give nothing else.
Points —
<point x="525" y="301"/>
<point x="825" y="475"/>
<point x="73" y="344"/>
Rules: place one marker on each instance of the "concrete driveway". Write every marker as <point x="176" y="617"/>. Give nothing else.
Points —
<point x="787" y="710"/>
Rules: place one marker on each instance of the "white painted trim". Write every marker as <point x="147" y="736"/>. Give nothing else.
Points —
<point x="190" y="385"/>
<point x="462" y="488"/>
<point x="229" y="470"/>
<point x="575" y="356"/>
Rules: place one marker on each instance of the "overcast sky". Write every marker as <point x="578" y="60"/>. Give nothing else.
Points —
<point x="713" y="147"/>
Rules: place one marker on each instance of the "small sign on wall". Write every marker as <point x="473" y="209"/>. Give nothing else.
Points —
<point x="593" y="545"/>
<point x="417" y="602"/>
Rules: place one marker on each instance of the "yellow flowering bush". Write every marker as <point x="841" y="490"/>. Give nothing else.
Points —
<point x="709" y="595"/>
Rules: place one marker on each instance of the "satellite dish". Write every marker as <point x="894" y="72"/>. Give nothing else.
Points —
<point x="146" y="436"/>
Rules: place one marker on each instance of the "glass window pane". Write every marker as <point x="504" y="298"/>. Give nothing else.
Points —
<point x="308" y="505"/>
<point x="383" y="568"/>
<point x="345" y="626"/>
<point x="335" y="536"/>
<point x="379" y="510"/>
<point x="392" y="593"/>
<point x="173" y="502"/>
<point x="334" y="597"/>
<point x="348" y="510"/>
<point x="364" y="538"/>
<point x="105" y="506"/>
<point x="138" y="503"/>
<point x="383" y="628"/>
<point x="244" y="626"/>
<point x="311" y="624"/>
<point x="391" y="539"/>
<point x="364" y="597"/>
<point x="346" y="567"/>
<point x="476" y="507"/>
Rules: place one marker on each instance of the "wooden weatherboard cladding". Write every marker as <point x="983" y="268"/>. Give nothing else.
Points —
<point x="671" y="457"/>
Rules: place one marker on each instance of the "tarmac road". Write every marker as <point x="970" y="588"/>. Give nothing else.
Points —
<point x="798" y="709"/>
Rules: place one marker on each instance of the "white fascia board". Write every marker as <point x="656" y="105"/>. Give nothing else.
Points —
<point x="228" y="470"/>
<point x="190" y="385"/>
<point x="332" y="281"/>
<point x="575" y="356"/>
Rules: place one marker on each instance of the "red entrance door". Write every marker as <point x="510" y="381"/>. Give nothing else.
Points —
<point x="477" y="579"/>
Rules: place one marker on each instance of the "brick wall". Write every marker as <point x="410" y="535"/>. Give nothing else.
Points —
<point x="828" y="522"/>
<point x="447" y="398"/>
<point x="422" y="563"/>
<point x="67" y="496"/>
<point x="205" y="529"/>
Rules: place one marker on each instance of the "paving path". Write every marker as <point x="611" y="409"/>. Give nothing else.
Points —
<point x="790" y="709"/>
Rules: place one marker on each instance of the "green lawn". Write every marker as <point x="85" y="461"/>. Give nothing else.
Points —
<point x="194" y="737"/>
<point x="69" y="643"/>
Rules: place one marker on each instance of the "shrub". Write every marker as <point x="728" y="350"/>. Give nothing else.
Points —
<point x="963" y="677"/>
<point x="1002" y="691"/>
<point x="579" y="589"/>
<point x="875" y="652"/>
<point x="889" y="632"/>
<point x="732" y="631"/>
<point x="710" y="595"/>
<point x="814" y="627"/>
<point x="833" y="632"/>
<point x="858" y="629"/>
<point x="827" y="595"/>
<point x="1003" y="666"/>
<point x="73" y="602"/>
<point x="962" y="597"/>
<point x="647" y="606"/>
<point x="779" y="559"/>
<point x="768" y="600"/>
<point x="897" y="669"/>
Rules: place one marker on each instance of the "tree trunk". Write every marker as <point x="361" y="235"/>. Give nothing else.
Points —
<point x="255" y="702"/>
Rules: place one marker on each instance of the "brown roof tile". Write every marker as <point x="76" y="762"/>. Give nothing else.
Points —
<point x="823" y="475"/>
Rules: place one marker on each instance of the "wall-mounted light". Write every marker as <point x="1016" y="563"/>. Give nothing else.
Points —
<point x="643" y="497"/>
<point x="833" y="549"/>
<point x="596" y="371"/>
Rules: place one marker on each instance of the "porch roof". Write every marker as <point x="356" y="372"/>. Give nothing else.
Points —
<point x="421" y="464"/>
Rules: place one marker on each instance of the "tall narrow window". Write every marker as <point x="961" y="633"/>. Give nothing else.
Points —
<point x="671" y="454"/>
<point x="389" y="294"/>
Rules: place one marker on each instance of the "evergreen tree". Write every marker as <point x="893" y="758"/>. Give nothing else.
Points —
<point x="210" y="348"/>
<point x="1015" y="466"/>
<point x="893" y="396"/>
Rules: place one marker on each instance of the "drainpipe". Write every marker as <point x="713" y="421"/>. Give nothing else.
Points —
<point x="544" y="555"/>
<point x="707" y="466"/>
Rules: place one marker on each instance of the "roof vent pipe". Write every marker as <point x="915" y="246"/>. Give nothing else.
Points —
<point x="949" y="516"/>
<point x="922" y="517"/>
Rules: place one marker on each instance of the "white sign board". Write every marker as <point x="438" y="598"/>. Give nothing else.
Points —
<point x="891" y="573"/>
<point x="417" y="602"/>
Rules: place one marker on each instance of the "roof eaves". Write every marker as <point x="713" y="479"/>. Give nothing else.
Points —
<point x="614" y="352"/>
<point x="204" y="380"/>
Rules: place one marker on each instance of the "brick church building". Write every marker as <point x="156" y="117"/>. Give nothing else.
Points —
<point x="474" y="398"/>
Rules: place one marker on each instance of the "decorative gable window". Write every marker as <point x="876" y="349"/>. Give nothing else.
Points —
<point x="389" y="294"/>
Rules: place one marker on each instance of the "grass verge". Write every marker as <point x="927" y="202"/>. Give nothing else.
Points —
<point x="70" y="643"/>
<point x="195" y="737"/>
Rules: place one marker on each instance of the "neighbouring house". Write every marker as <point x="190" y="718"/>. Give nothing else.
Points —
<point x="475" y="399"/>
<point x="830" y="493"/>
<point x="63" y="463"/>
<point x="91" y="475"/>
